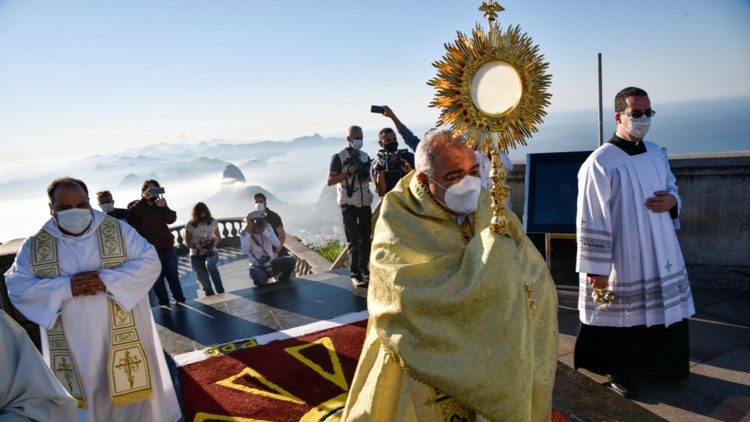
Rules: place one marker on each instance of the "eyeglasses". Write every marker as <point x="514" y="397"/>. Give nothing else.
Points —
<point x="639" y="114"/>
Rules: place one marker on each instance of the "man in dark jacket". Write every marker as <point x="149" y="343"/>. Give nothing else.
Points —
<point x="107" y="204"/>
<point x="150" y="216"/>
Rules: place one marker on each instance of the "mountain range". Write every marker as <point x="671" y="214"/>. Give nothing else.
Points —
<point x="223" y="174"/>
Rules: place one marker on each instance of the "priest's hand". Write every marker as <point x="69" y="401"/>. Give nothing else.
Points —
<point x="87" y="284"/>
<point x="598" y="281"/>
<point x="662" y="202"/>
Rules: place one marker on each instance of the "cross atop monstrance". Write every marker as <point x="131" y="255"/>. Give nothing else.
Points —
<point x="491" y="9"/>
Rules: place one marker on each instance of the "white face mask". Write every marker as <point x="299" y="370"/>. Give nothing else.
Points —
<point x="107" y="207"/>
<point x="638" y="127"/>
<point x="357" y="143"/>
<point x="74" y="220"/>
<point x="259" y="206"/>
<point x="463" y="197"/>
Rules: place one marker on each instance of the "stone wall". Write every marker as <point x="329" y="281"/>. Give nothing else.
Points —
<point x="715" y="233"/>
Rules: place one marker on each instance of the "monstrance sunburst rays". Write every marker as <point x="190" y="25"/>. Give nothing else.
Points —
<point x="481" y="130"/>
<point x="454" y="78"/>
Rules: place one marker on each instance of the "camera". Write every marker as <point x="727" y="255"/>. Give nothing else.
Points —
<point x="208" y="246"/>
<point x="265" y="262"/>
<point x="386" y="162"/>
<point x="363" y="172"/>
<point x="377" y="109"/>
<point x="155" y="191"/>
<point x="363" y="169"/>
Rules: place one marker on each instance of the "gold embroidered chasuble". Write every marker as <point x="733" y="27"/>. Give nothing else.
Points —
<point x="128" y="368"/>
<point x="452" y="332"/>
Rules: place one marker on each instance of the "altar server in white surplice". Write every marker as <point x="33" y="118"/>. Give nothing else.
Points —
<point x="628" y="209"/>
<point x="28" y="389"/>
<point x="84" y="278"/>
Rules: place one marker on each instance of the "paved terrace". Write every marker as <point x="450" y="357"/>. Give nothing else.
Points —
<point x="718" y="388"/>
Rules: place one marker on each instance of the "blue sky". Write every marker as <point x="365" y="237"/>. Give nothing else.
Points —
<point x="84" y="77"/>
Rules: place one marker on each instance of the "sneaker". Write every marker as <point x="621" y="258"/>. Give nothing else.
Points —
<point x="165" y="307"/>
<point x="358" y="281"/>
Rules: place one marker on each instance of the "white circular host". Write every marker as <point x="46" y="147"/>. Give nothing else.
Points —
<point x="496" y="88"/>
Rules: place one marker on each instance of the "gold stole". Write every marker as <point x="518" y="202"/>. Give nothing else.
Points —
<point x="128" y="370"/>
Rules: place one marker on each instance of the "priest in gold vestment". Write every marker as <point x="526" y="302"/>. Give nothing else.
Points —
<point x="463" y="321"/>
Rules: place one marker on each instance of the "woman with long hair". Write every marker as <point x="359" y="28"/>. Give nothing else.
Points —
<point x="202" y="236"/>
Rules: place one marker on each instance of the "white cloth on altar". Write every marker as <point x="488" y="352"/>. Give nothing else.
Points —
<point x="618" y="236"/>
<point x="86" y="317"/>
<point x="29" y="390"/>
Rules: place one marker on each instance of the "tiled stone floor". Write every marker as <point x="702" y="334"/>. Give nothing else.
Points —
<point x="718" y="389"/>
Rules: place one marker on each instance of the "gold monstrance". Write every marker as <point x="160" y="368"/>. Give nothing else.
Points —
<point x="492" y="89"/>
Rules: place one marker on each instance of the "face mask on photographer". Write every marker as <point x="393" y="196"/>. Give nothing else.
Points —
<point x="392" y="147"/>
<point x="109" y="207"/>
<point x="462" y="197"/>
<point x="357" y="144"/>
<point x="259" y="206"/>
<point x="74" y="220"/>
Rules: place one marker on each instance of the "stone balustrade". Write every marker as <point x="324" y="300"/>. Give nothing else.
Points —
<point x="228" y="227"/>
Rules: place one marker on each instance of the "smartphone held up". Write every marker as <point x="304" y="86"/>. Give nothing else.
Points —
<point x="155" y="191"/>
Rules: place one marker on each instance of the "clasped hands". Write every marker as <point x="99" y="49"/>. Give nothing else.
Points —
<point x="87" y="283"/>
<point x="662" y="202"/>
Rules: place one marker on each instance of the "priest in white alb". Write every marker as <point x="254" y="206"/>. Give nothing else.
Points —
<point x="84" y="278"/>
<point x="634" y="296"/>
<point x="28" y="389"/>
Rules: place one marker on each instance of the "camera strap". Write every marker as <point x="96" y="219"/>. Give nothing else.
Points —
<point x="344" y="157"/>
<point x="252" y="236"/>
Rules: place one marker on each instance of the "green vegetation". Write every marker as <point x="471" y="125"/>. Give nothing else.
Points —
<point x="329" y="250"/>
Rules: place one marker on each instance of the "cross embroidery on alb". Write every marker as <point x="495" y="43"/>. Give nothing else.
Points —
<point x="129" y="365"/>
<point x="668" y="266"/>
<point x="64" y="367"/>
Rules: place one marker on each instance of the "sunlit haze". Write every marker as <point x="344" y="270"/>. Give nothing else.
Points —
<point x="175" y="90"/>
<point x="86" y="77"/>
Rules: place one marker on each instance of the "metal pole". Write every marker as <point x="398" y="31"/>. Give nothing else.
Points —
<point x="601" y="125"/>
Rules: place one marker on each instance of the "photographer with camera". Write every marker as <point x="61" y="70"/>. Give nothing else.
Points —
<point x="350" y="172"/>
<point x="261" y="204"/>
<point x="392" y="163"/>
<point x="412" y="141"/>
<point x="259" y="242"/>
<point x="202" y="236"/>
<point x="150" y="216"/>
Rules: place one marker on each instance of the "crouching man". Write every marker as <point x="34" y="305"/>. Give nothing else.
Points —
<point x="261" y="245"/>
